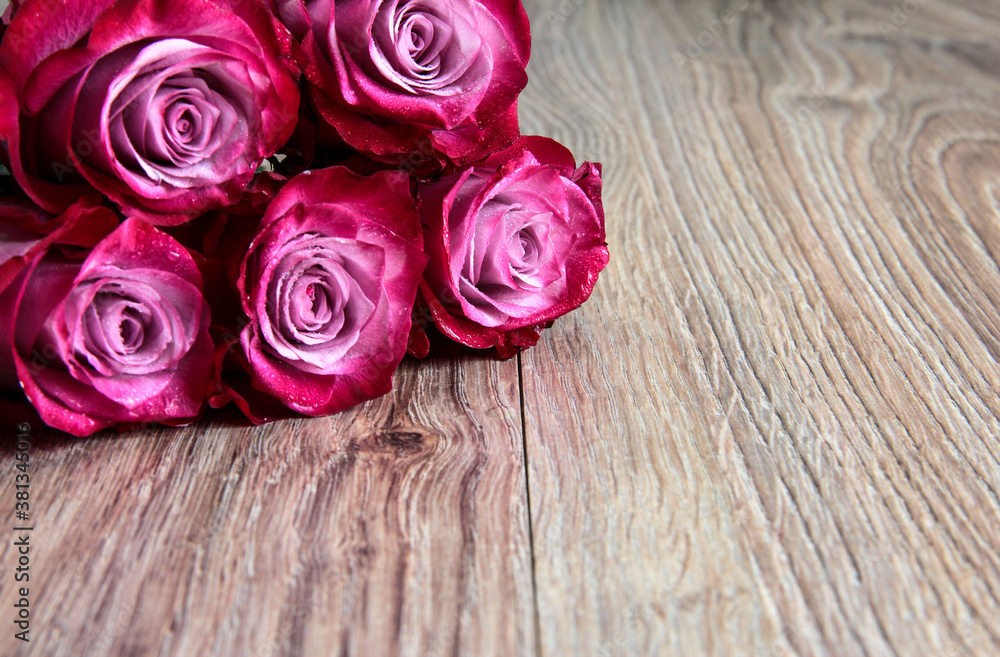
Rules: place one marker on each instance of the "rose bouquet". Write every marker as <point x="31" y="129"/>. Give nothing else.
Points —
<point x="270" y="202"/>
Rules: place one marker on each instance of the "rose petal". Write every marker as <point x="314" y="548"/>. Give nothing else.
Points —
<point x="91" y="65"/>
<point x="328" y="287"/>
<point x="392" y="76"/>
<point x="80" y="354"/>
<point x="513" y="244"/>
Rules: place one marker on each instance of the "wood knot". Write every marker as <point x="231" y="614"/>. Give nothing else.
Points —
<point x="396" y="443"/>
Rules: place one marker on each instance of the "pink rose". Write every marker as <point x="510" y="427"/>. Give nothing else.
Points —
<point x="406" y="81"/>
<point x="27" y="231"/>
<point x="513" y="243"/>
<point x="327" y="289"/>
<point x="165" y="107"/>
<point x="120" y="338"/>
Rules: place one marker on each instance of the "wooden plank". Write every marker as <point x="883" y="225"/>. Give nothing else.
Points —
<point x="774" y="428"/>
<point x="399" y="528"/>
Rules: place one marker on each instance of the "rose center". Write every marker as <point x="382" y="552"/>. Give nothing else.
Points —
<point x="317" y="302"/>
<point x="130" y="332"/>
<point x="529" y="248"/>
<point x="116" y="326"/>
<point x="119" y="330"/>
<point x="118" y="323"/>
<point x="423" y="46"/>
<point x="185" y="126"/>
<point x="322" y="306"/>
<point x="174" y="120"/>
<point x="526" y="253"/>
<point x="319" y="294"/>
<point x="421" y="36"/>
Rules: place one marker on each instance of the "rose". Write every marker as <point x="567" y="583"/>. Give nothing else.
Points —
<point x="119" y="339"/>
<point x="167" y="108"/>
<point x="327" y="290"/>
<point x="27" y="231"/>
<point x="513" y="243"/>
<point x="407" y="81"/>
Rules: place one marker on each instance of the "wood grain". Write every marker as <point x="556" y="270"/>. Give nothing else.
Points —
<point x="387" y="530"/>
<point x="773" y="430"/>
<point x="780" y="432"/>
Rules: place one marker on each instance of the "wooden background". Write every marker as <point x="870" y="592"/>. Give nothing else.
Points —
<point x="773" y="430"/>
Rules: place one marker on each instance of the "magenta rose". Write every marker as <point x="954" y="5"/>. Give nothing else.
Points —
<point x="327" y="289"/>
<point x="167" y="107"/>
<point x="406" y="81"/>
<point x="26" y="231"/>
<point x="513" y="243"/>
<point x="120" y="338"/>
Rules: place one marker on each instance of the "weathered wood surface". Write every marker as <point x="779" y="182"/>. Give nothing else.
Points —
<point x="399" y="528"/>
<point x="774" y="430"/>
<point x="781" y="434"/>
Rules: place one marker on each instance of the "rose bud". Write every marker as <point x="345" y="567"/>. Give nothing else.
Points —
<point x="327" y="289"/>
<point x="118" y="339"/>
<point x="166" y="108"/>
<point x="514" y="243"/>
<point x="415" y="82"/>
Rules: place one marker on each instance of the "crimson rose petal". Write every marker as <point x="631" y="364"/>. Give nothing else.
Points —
<point x="409" y="81"/>
<point x="119" y="339"/>
<point x="166" y="108"/>
<point x="514" y="243"/>
<point x="29" y="231"/>
<point x="327" y="288"/>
